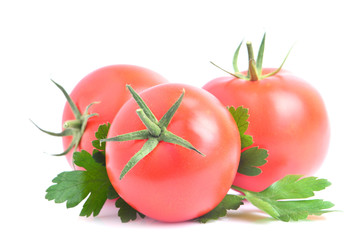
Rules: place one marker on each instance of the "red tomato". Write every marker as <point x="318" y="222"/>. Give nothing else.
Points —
<point x="287" y="117"/>
<point x="173" y="183"/>
<point x="106" y="85"/>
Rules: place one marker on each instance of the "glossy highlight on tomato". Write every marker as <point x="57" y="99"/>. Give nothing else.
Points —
<point x="288" y="117"/>
<point x="106" y="85"/>
<point x="173" y="183"/>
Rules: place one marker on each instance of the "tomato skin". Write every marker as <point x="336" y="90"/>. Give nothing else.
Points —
<point x="287" y="117"/>
<point x="106" y="85"/>
<point x="173" y="183"/>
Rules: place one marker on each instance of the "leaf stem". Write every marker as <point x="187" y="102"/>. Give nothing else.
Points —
<point x="239" y="189"/>
<point x="252" y="72"/>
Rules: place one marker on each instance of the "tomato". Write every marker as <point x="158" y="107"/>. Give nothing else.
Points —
<point x="107" y="86"/>
<point x="173" y="183"/>
<point x="287" y="117"/>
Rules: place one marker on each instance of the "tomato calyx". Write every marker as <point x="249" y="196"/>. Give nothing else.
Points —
<point x="155" y="131"/>
<point x="254" y="72"/>
<point x="75" y="127"/>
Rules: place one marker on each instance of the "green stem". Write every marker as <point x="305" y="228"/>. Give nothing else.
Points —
<point x="250" y="51"/>
<point x="239" y="189"/>
<point x="76" y="124"/>
<point x="153" y="128"/>
<point x="252" y="72"/>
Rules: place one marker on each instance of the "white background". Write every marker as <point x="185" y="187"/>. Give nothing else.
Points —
<point x="65" y="40"/>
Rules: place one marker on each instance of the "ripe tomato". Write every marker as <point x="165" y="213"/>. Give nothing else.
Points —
<point x="173" y="183"/>
<point x="287" y="117"/>
<point x="107" y="86"/>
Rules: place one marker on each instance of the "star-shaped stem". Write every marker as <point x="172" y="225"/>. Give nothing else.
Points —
<point x="75" y="127"/>
<point x="255" y="66"/>
<point x="155" y="133"/>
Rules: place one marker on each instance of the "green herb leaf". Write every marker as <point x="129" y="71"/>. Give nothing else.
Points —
<point x="73" y="187"/>
<point x="126" y="212"/>
<point x="99" y="152"/>
<point x="251" y="159"/>
<point x="292" y="191"/>
<point x="101" y="133"/>
<point x="230" y="202"/>
<point x="241" y="116"/>
<point x="112" y="194"/>
<point x="99" y="156"/>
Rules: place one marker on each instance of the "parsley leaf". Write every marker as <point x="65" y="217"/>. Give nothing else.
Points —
<point x="99" y="148"/>
<point x="74" y="186"/>
<point x="252" y="158"/>
<point x="292" y="191"/>
<point x="241" y="116"/>
<point x="230" y="202"/>
<point x="101" y="133"/>
<point x="126" y="212"/>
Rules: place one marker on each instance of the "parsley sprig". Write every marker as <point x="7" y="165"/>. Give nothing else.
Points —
<point x="286" y="199"/>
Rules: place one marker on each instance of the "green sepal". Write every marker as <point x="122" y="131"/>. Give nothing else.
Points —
<point x="65" y="132"/>
<point x="169" y="137"/>
<point x="73" y="107"/>
<point x="259" y="59"/>
<point x="138" y="135"/>
<point x="148" y="146"/>
<point x="165" y="120"/>
<point x="142" y="104"/>
<point x="236" y="57"/>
